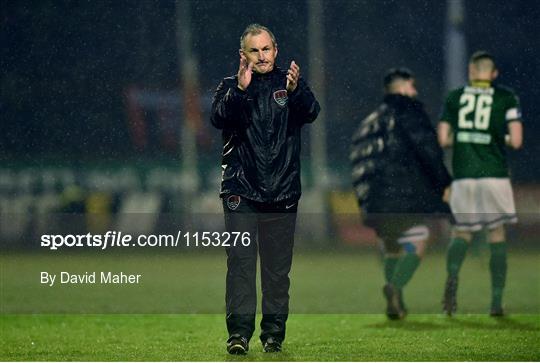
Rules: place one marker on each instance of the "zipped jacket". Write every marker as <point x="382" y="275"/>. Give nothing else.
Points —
<point x="261" y="135"/>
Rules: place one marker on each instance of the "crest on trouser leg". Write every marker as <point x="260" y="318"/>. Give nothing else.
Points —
<point x="233" y="201"/>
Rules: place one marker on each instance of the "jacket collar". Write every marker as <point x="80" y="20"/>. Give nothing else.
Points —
<point x="395" y="97"/>
<point x="268" y="75"/>
<point x="398" y="100"/>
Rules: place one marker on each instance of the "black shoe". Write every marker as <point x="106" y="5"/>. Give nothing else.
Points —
<point x="272" y="345"/>
<point x="393" y="308"/>
<point x="237" y="345"/>
<point x="496" y="312"/>
<point x="449" y="299"/>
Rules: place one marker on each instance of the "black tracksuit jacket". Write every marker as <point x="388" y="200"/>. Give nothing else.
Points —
<point x="397" y="162"/>
<point x="261" y="135"/>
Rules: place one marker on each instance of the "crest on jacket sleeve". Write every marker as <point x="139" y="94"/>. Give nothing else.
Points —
<point x="281" y="97"/>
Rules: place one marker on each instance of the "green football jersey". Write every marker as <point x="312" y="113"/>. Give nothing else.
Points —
<point x="479" y="116"/>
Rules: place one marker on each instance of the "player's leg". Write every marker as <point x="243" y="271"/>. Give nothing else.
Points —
<point x="241" y="293"/>
<point x="455" y="256"/>
<point x="498" y="200"/>
<point x="391" y="254"/>
<point x="390" y="260"/>
<point x="387" y="239"/>
<point x="411" y="245"/>
<point x="388" y="230"/>
<point x="276" y="241"/>
<point x="456" y="251"/>
<point x="413" y="242"/>
<point x="497" y="267"/>
<point x="413" y="248"/>
<point x="464" y="204"/>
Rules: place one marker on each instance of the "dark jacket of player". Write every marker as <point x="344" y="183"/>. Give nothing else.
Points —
<point x="397" y="162"/>
<point x="261" y="135"/>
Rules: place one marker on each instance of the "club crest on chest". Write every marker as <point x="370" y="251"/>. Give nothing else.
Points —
<point x="281" y="97"/>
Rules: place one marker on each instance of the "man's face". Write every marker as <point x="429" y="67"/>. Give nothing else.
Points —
<point x="259" y="50"/>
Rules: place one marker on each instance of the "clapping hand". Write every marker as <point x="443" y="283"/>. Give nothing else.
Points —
<point x="244" y="73"/>
<point x="293" y="74"/>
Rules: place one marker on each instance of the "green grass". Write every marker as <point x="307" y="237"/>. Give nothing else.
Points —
<point x="336" y="306"/>
<point x="348" y="283"/>
<point x="310" y="338"/>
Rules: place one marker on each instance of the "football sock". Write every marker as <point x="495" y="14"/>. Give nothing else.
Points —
<point x="389" y="267"/>
<point x="455" y="256"/>
<point x="497" y="267"/>
<point x="405" y="268"/>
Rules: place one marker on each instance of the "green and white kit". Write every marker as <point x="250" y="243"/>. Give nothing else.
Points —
<point x="479" y="115"/>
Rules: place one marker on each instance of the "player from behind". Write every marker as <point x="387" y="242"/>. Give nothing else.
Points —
<point x="480" y="120"/>
<point x="399" y="178"/>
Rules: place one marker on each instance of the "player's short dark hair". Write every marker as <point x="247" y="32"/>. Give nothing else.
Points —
<point x="394" y="74"/>
<point x="255" y="29"/>
<point x="482" y="55"/>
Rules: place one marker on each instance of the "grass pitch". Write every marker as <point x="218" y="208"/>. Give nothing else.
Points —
<point x="310" y="338"/>
<point x="336" y="302"/>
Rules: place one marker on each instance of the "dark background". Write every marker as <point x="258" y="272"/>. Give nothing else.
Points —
<point x="66" y="64"/>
